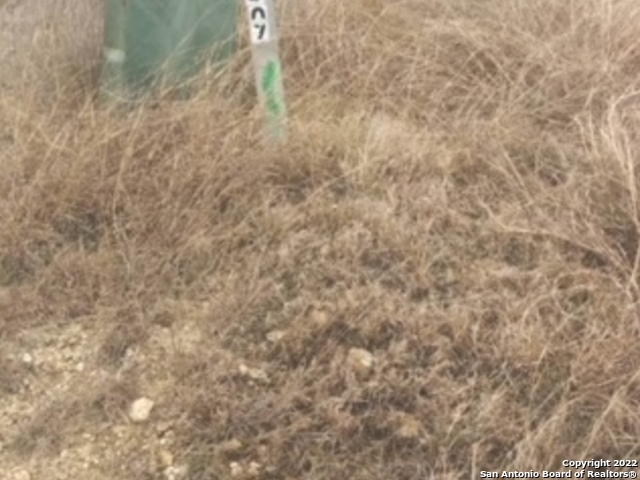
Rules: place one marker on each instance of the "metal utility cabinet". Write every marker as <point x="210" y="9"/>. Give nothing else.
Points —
<point x="149" y="41"/>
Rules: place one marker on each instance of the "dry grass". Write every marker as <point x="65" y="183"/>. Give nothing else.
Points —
<point x="459" y="197"/>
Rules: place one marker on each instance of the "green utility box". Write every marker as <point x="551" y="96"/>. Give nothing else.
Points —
<point x="152" y="41"/>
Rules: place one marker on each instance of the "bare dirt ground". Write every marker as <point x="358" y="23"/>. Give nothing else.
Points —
<point x="437" y="274"/>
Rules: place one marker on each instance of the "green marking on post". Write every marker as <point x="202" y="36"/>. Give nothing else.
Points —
<point x="269" y="86"/>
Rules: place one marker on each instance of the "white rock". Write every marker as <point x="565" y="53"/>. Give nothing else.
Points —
<point x="176" y="472"/>
<point x="21" y="475"/>
<point x="276" y="335"/>
<point x="140" y="410"/>
<point x="166" y="458"/>
<point x="320" y="318"/>
<point x="236" y="469"/>
<point x="232" y="445"/>
<point x="360" y="360"/>
<point x="254" y="469"/>
<point x="253" y="373"/>
<point x="27" y="358"/>
<point x="168" y="438"/>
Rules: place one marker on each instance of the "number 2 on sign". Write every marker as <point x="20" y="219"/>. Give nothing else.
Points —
<point x="258" y="21"/>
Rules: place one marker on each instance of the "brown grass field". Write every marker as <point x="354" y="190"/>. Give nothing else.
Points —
<point x="437" y="275"/>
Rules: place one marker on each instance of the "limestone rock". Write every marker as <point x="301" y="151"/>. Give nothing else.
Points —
<point x="140" y="410"/>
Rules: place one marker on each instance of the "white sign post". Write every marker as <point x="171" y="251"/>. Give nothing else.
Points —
<point x="266" y="63"/>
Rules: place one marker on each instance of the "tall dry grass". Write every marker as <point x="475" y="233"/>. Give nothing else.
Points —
<point x="459" y="197"/>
